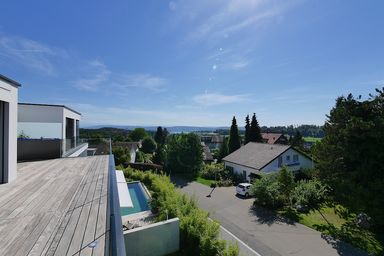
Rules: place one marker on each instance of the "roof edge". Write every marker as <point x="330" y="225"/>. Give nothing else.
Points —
<point x="9" y="80"/>
<point x="49" y="105"/>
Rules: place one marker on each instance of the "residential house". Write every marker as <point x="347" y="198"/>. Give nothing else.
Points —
<point x="257" y="158"/>
<point x="212" y="140"/>
<point x="48" y="131"/>
<point x="8" y="128"/>
<point x="274" y="138"/>
<point x="207" y="155"/>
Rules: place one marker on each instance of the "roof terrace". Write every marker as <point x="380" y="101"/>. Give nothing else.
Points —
<point x="58" y="207"/>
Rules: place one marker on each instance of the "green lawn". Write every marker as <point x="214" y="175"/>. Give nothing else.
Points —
<point x="330" y="220"/>
<point x="312" y="139"/>
<point x="204" y="181"/>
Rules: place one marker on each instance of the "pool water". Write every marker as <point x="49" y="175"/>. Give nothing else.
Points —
<point x="139" y="200"/>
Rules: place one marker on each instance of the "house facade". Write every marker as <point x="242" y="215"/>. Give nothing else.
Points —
<point x="8" y="128"/>
<point x="260" y="158"/>
<point x="52" y="129"/>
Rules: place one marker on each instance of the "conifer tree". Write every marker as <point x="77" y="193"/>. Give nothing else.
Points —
<point x="247" y="130"/>
<point x="255" y="131"/>
<point x="223" y="151"/>
<point x="234" y="139"/>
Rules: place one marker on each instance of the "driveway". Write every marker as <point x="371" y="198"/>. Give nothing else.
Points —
<point x="264" y="232"/>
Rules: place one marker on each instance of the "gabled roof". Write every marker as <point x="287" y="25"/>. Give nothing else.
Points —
<point x="271" y="138"/>
<point x="256" y="155"/>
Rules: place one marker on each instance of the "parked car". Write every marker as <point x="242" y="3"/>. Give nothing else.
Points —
<point x="243" y="189"/>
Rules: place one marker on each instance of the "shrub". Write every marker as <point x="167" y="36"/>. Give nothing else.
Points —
<point x="266" y="191"/>
<point x="286" y="183"/>
<point x="309" y="193"/>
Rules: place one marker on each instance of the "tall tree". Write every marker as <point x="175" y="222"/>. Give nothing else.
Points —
<point x="350" y="156"/>
<point x="184" y="154"/>
<point x="138" y="134"/>
<point x="160" y="155"/>
<point x="255" y="132"/>
<point x="297" y="140"/>
<point x="234" y="139"/>
<point x="223" y="151"/>
<point x="159" y="136"/>
<point x="148" y="145"/>
<point x="247" y="137"/>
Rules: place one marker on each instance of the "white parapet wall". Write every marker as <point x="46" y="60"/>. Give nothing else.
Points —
<point x="157" y="239"/>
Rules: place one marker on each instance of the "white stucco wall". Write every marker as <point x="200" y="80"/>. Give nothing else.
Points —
<point x="9" y="94"/>
<point x="303" y="161"/>
<point x="240" y="168"/>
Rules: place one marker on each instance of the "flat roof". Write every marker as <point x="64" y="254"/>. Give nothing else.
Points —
<point x="56" y="207"/>
<point x="49" y="105"/>
<point x="9" y="80"/>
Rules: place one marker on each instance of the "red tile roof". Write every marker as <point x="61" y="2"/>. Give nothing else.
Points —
<point x="271" y="138"/>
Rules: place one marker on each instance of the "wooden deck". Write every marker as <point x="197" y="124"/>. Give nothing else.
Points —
<point x="56" y="207"/>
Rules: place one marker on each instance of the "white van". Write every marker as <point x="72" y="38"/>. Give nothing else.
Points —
<point x="243" y="189"/>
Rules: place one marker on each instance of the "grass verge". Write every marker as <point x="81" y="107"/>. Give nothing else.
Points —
<point x="203" y="181"/>
<point x="333" y="221"/>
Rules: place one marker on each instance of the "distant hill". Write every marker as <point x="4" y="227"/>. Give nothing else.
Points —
<point x="305" y="130"/>
<point x="171" y="129"/>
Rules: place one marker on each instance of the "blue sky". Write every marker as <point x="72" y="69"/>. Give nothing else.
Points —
<point x="193" y="62"/>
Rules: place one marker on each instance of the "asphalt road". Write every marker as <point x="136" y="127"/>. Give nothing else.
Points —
<point x="264" y="232"/>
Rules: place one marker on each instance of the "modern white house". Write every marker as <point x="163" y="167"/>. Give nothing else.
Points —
<point x="257" y="158"/>
<point x="8" y="130"/>
<point x="51" y="129"/>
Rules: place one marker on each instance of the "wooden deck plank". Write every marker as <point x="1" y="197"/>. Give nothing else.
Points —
<point x="52" y="204"/>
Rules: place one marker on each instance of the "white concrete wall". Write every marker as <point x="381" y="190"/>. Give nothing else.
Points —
<point x="40" y="114"/>
<point x="240" y="168"/>
<point x="158" y="239"/>
<point x="9" y="94"/>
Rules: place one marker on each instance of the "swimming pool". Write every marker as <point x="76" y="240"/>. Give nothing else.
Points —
<point x="139" y="199"/>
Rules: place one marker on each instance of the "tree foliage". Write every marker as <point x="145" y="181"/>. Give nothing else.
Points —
<point x="234" y="139"/>
<point x="161" y="135"/>
<point x="122" y="155"/>
<point x="184" y="154"/>
<point x="138" y="134"/>
<point x="297" y="140"/>
<point x="247" y="136"/>
<point x="350" y="157"/>
<point x="160" y="155"/>
<point x="223" y="151"/>
<point x="310" y="193"/>
<point x="254" y="131"/>
<point x="148" y="145"/>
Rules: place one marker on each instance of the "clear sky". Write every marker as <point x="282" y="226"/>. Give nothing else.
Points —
<point x="196" y="62"/>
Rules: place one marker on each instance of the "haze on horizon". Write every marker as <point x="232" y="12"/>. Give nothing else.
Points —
<point x="193" y="63"/>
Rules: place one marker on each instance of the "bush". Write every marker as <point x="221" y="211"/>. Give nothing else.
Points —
<point x="309" y="194"/>
<point x="198" y="235"/>
<point x="267" y="191"/>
